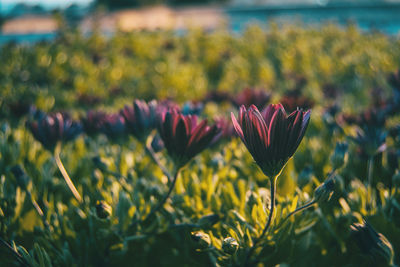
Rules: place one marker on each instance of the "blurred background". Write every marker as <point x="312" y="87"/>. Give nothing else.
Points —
<point x="35" y="20"/>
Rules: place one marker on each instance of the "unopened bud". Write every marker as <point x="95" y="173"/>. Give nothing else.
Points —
<point x="201" y="240"/>
<point x="20" y="176"/>
<point x="325" y="190"/>
<point x="372" y="243"/>
<point x="339" y="157"/>
<point x="230" y="245"/>
<point x="157" y="144"/>
<point x="103" y="210"/>
<point x="208" y="220"/>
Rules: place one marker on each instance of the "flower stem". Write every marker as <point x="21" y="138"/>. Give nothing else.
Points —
<point x="152" y="154"/>
<point x="269" y="221"/>
<point x="370" y="170"/>
<point x="38" y="209"/>
<point x="306" y="206"/>
<point x="370" y="177"/>
<point x="65" y="174"/>
<point x="164" y="199"/>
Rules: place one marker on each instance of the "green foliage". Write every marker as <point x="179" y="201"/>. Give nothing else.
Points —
<point x="218" y="207"/>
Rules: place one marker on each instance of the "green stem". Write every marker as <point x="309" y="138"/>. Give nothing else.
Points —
<point x="269" y="221"/>
<point x="370" y="170"/>
<point x="152" y="154"/>
<point x="306" y="206"/>
<point x="65" y="174"/>
<point x="38" y="209"/>
<point x="164" y="199"/>
<point x="15" y="253"/>
<point x="370" y="177"/>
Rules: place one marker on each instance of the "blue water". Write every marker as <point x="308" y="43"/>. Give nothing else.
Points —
<point x="30" y="38"/>
<point x="384" y="18"/>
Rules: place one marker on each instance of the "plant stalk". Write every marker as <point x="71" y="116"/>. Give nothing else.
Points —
<point x="306" y="206"/>
<point x="152" y="154"/>
<point x="164" y="199"/>
<point x="65" y="174"/>
<point x="269" y="221"/>
<point x="370" y="178"/>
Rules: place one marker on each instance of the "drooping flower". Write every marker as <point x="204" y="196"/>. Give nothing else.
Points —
<point x="53" y="128"/>
<point x="140" y="119"/>
<point x="271" y="137"/>
<point x="183" y="137"/>
<point x="250" y="96"/>
<point x="372" y="244"/>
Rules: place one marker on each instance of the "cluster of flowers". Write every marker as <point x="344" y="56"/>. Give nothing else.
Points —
<point x="291" y="100"/>
<point x="271" y="136"/>
<point x="371" y="123"/>
<point x="179" y="129"/>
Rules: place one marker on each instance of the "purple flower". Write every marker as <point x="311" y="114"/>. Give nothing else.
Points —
<point x="271" y="137"/>
<point x="113" y="127"/>
<point x="249" y="96"/>
<point x="226" y="129"/>
<point x="192" y="108"/>
<point x="53" y="128"/>
<point x="183" y="137"/>
<point x="218" y="97"/>
<point x="294" y="99"/>
<point x="140" y="119"/>
<point x="93" y="122"/>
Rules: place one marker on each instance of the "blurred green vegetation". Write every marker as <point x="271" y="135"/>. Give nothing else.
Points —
<point x="76" y="73"/>
<point x="85" y="72"/>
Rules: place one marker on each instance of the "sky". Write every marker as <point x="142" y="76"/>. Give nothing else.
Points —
<point x="6" y="5"/>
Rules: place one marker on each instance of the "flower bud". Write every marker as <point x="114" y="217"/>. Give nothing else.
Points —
<point x="339" y="157"/>
<point x="157" y="144"/>
<point x="201" y="240"/>
<point x="325" y="190"/>
<point x="20" y="176"/>
<point x="208" y="220"/>
<point x="230" y="245"/>
<point x="373" y="244"/>
<point x="103" y="210"/>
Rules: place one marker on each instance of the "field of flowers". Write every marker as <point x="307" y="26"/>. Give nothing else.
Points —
<point x="159" y="149"/>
